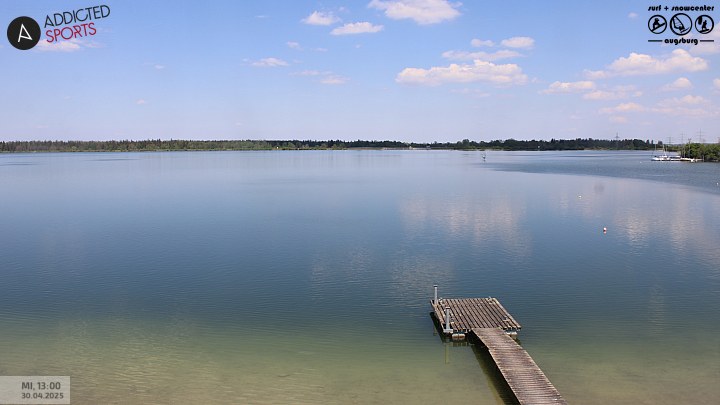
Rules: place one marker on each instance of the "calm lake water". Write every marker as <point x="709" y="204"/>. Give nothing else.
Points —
<point x="304" y="277"/>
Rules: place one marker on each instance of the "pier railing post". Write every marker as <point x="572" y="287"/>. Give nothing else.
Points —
<point x="435" y="296"/>
<point x="447" y="321"/>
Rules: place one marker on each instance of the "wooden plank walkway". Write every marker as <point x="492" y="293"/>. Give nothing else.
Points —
<point x="469" y="313"/>
<point x="493" y="325"/>
<point x="526" y="380"/>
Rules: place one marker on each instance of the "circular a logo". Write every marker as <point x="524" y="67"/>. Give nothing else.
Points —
<point x="23" y="33"/>
<point x="704" y="24"/>
<point x="681" y="24"/>
<point x="657" y="24"/>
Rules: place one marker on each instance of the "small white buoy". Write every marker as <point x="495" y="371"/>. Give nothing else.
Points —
<point x="604" y="229"/>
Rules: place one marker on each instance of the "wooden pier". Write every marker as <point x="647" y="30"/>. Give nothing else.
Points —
<point x="469" y="313"/>
<point x="488" y="321"/>
<point x="526" y="380"/>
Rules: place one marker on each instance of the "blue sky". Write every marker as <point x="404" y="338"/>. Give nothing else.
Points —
<point x="409" y="70"/>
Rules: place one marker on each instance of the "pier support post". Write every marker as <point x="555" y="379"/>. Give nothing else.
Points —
<point x="435" y="296"/>
<point x="447" y="321"/>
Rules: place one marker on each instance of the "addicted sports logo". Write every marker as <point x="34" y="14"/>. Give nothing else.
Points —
<point x="24" y="32"/>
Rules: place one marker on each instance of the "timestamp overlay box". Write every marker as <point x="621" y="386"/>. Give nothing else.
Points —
<point x="33" y="389"/>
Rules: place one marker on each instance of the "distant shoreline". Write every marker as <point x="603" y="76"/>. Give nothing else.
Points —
<point x="707" y="152"/>
<point x="189" y="145"/>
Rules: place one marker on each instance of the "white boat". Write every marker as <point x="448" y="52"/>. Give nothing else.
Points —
<point x="664" y="157"/>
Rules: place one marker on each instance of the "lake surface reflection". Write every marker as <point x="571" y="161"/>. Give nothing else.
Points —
<point x="304" y="277"/>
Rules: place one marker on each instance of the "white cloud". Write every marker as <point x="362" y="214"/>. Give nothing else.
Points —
<point x="71" y="45"/>
<point x="357" y="28"/>
<point x="682" y="83"/>
<point x="514" y="42"/>
<point x="141" y="101"/>
<point x="294" y="45"/>
<point x="689" y="105"/>
<point x="623" y="108"/>
<point x="308" y="73"/>
<point x="617" y="92"/>
<point x="92" y="45"/>
<point x="333" y="79"/>
<point x="421" y="11"/>
<point x="518" y="42"/>
<point x="688" y="100"/>
<point x="679" y="60"/>
<point x="632" y="15"/>
<point x="479" y="71"/>
<point x="716" y="83"/>
<point x="464" y="55"/>
<point x="477" y="43"/>
<point x="569" y="87"/>
<point x="156" y="66"/>
<point x="269" y="62"/>
<point x="324" y="77"/>
<point x="58" y="46"/>
<point x="600" y="95"/>
<point x="618" y="119"/>
<point x="321" y="18"/>
<point x="595" y="74"/>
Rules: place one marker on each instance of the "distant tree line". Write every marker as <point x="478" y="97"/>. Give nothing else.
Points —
<point x="706" y="151"/>
<point x="178" y="144"/>
<point x="553" y="144"/>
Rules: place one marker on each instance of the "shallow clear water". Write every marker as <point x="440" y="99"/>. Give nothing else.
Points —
<point x="304" y="277"/>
